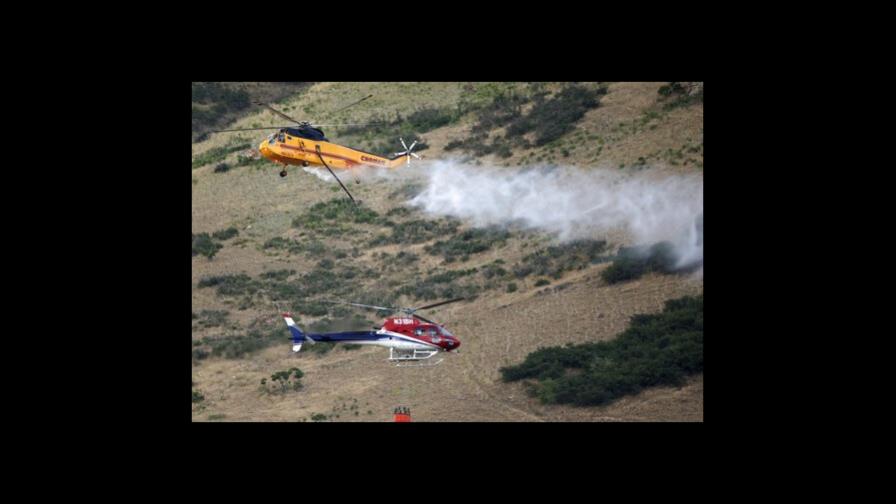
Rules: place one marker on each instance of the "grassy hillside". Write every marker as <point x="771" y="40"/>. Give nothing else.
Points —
<point x="217" y="104"/>
<point x="262" y="244"/>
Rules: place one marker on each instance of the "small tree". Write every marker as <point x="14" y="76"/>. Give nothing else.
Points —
<point x="285" y="380"/>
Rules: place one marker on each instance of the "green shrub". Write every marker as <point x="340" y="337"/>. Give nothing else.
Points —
<point x="555" y="260"/>
<point x="250" y="161"/>
<point x="407" y="257"/>
<point x="212" y="318"/>
<point x="541" y="282"/>
<point x="198" y="397"/>
<point x="322" y="216"/>
<point x="493" y="270"/>
<point x="436" y="287"/>
<point x="225" y="234"/>
<point x="278" y="275"/>
<point x="283" y="381"/>
<point x="511" y="287"/>
<point x="454" y="144"/>
<point x="398" y="212"/>
<point x="216" y="154"/>
<point x="416" y="231"/>
<point x="550" y="119"/>
<point x="503" y="109"/>
<point x="204" y="245"/>
<point x="633" y="262"/>
<point x="230" y="285"/>
<point x="659" y="349"/>
<point x="675" y="94"/>
<point x="471" y="241"/>
<point x="221" y="168"/>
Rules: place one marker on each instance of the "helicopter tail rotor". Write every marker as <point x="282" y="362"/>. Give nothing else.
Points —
<point x="407" y="150"/>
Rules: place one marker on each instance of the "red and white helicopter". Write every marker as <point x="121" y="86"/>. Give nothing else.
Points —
<point x="411" y="339"/>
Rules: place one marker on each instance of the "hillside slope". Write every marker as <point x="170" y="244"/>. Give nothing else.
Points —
<point x="282" y="243"/>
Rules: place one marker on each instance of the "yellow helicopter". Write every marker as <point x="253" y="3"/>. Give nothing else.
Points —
<point x="306" y="145"/>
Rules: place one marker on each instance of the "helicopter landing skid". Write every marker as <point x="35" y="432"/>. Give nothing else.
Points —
<point x="413" y="358"/>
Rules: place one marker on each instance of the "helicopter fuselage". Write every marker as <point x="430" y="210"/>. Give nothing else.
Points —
<point x="293" y="150"/>
<point x="400" y="333"/>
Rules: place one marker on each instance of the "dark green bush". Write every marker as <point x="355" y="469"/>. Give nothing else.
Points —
<point x="555" y="260"/>
<point x="260" y="336"/>
<point x="338" y="210"/>
<point x="550" y="119"/>
<point x="407" y="257"/>
<point x="398" y="212"/>
<point x="493" y="270"/>
<point x="278" y="275"/>
<point x="282" y="381"/>
<point x="216" y="154"/>
<point x="221" y="168"/>
<point x="675" y="94"/>
<point x="454" y="144"/>
<point x="204" y="245"/>
<point x="416" y="231"/>
<point x="197" y="396"/>
<point x="659" y="349"/>
<point x="503" y="109"/>
<point x="225" y="234"/>
<point x="230" y="285"/>
<point x="471" y="241"/>
<point x="633" y="262"/>
<point x="511" y="287"/>
<point x="212" y="318"/>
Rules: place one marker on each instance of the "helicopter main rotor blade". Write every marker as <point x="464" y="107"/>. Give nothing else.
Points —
<point x="281" y="114"/>
<point x="352" y="104"/>
<point x="439" y="303"/>
<point x="249" y="129"/>
<point x="425" y="319"/>
<point x="348" y="124"/>
<point x="363" y="305"/>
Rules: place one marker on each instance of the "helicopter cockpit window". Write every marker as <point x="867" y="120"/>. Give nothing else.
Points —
<point x="446" y="332"/>
<point x="432" y="332"/>
<point x="280" y="137"/>
<point x="419" y="331"/>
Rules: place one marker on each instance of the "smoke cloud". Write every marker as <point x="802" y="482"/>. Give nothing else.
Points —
<point x="569" y="201"/>
<point x="572" y="202"/>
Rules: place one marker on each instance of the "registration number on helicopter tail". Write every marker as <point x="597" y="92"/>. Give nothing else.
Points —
<point x="403" y="321"/>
